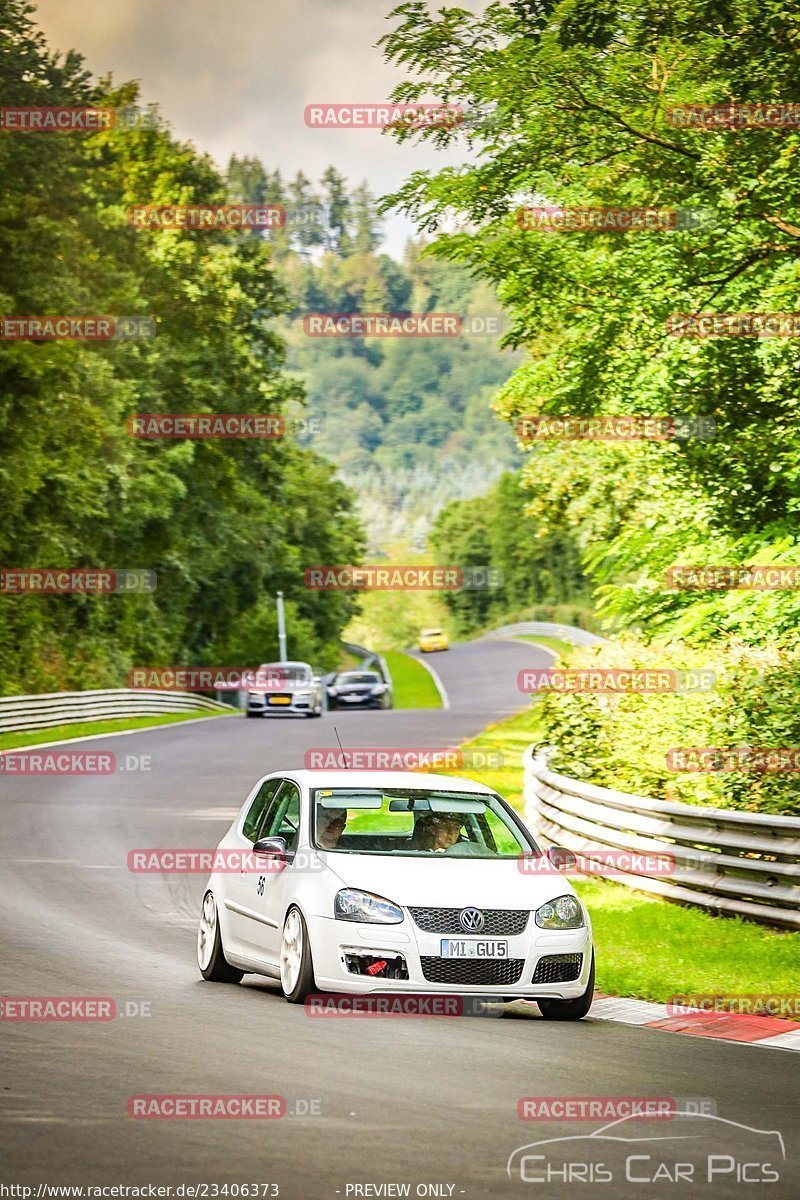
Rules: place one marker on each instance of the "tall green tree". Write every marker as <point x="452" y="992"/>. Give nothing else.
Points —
<point x="580" y="98"/>
<point x="211" y="518"/>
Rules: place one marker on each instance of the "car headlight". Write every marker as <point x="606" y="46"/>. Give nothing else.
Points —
<point x="563" y="913"/>
<point x="304" y="696"/>
<point x="262" y="694"/>
<point x="352" y="905"/>
<point x="379" y="689"/>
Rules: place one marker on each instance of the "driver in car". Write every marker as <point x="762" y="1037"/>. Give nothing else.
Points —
<point x="330" y="826"/>
<point x="436" y="831"/>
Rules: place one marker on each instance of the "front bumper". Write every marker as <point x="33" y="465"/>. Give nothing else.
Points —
<point x="367" y="700"/>
<point x="266" y="706"/>
<point x="332" y="943"/>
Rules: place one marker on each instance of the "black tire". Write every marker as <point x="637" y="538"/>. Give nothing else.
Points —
<point x="252" y="714"/>
<point x="218" y="970"/>
<point x="306" y="984"/>
<point x="569" y="1010"/>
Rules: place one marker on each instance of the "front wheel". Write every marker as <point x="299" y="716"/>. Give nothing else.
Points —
<point x="210" y="955"/>
<point x="569" y="1010"/>
<point x="297" y="969"/>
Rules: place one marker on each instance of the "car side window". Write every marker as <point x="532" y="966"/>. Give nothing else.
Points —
<point x="264" y="796"/>
<point x="283" y="818"/>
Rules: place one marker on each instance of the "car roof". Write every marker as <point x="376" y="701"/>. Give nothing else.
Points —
<point x="285" y="664"/>
<point x="386" y="779"/>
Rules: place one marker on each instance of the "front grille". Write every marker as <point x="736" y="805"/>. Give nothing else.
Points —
<point x="482" y="972"/>
<point x="507" y="922"/>
<point x="558" y="968"/>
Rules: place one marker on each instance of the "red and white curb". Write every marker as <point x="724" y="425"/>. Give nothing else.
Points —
<point x="731" y="1027"/>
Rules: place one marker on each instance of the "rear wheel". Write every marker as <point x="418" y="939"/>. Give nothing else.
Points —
<point x="569" y="1010"/>
<point x="297" y="969"/>
<point x="210" y="955"/>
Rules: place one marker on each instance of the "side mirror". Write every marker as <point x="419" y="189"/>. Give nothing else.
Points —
<point x="560" y="857"/>
<point x="274" y="847"/>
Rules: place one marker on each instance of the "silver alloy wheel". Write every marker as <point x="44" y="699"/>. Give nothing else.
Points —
<point x="291" y="952"/>
<point x="207" y="933"/>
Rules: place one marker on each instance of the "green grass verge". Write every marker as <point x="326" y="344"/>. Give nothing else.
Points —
<point x="413" y="686"/>
<point x="58" y="733"/>
<point x="646" y="947"/>
<point x="654" y="950"/>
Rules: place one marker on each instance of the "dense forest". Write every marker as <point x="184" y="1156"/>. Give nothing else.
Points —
<point x="222" y="524"/>
<point x="407" y="420"/>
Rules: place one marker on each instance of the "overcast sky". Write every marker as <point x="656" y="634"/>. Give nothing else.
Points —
<point x="234" y="76"/>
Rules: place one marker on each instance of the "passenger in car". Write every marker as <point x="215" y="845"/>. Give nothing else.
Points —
<point x="330" y="826"/>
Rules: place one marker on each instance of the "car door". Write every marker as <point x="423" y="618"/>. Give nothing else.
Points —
<point x="281" y="820"/>
<point x="240" y="883"/>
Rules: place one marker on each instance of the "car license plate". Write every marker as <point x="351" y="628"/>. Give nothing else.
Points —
<point x="280" y="700"/>
<point x="458" y="948"/>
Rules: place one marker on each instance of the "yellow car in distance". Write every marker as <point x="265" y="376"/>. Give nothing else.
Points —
<point x="433" y="639"/>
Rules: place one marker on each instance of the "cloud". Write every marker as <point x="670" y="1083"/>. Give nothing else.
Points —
<point x="234" y="76"/>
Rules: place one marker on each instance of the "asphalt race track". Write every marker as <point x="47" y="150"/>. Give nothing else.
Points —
<point x="395" y="1100"/>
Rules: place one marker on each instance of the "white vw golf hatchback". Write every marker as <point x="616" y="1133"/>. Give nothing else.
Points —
<point x="393" y="882"/>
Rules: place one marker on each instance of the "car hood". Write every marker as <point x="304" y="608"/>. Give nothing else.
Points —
<point x="447" y="882"/>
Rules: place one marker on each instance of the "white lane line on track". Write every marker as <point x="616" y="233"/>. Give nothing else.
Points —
<point x="436" y="679"/>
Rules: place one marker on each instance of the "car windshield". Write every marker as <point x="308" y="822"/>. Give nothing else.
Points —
<point x="415" y="823"/>
<point x="358" y="677"/>
<point x="432" y="633"/>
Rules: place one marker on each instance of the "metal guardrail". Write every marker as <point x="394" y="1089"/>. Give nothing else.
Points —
<point x="565" y="633"/>
<point x="61" y="708"/>
<point x="746" y="864"/>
